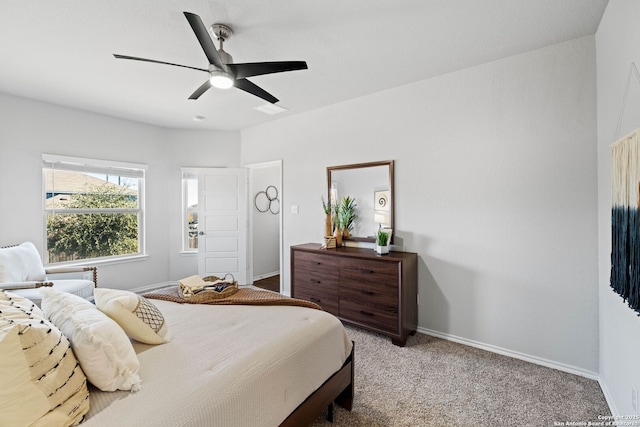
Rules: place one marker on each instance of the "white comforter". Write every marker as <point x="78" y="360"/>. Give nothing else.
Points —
<point x="227" y="366"/>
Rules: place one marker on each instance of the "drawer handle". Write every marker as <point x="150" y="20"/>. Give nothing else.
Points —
<point x="314" y="281"/>
<point x="366" y="313"/>
<point x="363" y="270"/>
<point x="316" y="300"/>
<point x="366" y="292"/>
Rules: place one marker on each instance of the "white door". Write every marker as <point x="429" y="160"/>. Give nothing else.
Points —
<point x="222" y="223"/>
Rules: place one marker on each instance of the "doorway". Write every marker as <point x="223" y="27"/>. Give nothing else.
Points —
<point x="265" y="225"/>
<point x="222" y="223"/>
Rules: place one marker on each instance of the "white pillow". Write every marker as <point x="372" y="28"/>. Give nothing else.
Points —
<point x="139" y="318"/>
<point x="21" y="263"/>
<point x="103" y="349"/>
<point x="41" y="382"/>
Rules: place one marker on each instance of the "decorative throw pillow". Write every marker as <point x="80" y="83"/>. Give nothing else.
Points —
<point x="21" y="263"/>
<point x="101" y="346"/>
<point x="25" y="304"/>
<point x="41" y="382"/>
<point x="139" y="318"/>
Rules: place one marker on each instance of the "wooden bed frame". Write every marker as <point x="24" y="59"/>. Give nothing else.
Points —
<point x="338" y="388"/>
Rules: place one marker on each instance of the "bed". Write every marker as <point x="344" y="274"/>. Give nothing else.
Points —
<point x="235" y="365"/>
<point x="223" y="365"/>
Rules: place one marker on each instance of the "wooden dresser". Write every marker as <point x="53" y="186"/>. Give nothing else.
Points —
<point x="376" y="292"/>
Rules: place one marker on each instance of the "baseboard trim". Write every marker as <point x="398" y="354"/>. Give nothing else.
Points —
<point x="266" y="276"/>
<point x="516" y="355"/>
<point x="148" y="288"/>
<point x="608" y="398"/>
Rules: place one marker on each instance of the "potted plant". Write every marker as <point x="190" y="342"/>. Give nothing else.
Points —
<point x="382" y="242"/>
<point x="347" y="213"/>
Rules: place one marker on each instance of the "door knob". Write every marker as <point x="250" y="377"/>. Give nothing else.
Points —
<point x="201" y="233"/>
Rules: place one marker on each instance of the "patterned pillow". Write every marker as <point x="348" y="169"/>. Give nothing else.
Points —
<point x="139" y="318"/>
<point x="41" y="381"/>
<point x="101" y="346"/>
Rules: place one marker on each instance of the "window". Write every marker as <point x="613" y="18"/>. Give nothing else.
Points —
<point x="189" y="210"/>
<point x="93" y="209"/>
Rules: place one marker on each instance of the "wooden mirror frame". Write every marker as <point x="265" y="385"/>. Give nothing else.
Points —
<point x="389" y="164"/>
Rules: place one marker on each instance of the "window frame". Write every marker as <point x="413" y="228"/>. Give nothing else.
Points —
<point x="87" y="165"/>
<point x="186" y="175"/>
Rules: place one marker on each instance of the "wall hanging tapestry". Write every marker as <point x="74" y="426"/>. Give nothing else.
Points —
<point x="625" y="219"/>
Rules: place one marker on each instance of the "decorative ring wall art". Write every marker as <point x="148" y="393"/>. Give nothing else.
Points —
<point x="267" y="200"/>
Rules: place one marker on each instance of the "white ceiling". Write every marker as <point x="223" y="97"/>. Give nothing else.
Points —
<point x="60" y="51"/>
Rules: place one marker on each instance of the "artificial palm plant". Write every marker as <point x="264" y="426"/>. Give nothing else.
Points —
<point x="347" y="214"/>
<point x="328" y="227"/>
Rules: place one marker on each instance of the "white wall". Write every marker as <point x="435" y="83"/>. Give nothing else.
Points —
<point x="495" y="179"/>
<point x="617" y="47"/>
<point x="29" y="128"/>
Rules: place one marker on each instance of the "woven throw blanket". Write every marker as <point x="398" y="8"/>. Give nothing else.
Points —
<point x="244" y="296"/>
<point x="625" y="219"/>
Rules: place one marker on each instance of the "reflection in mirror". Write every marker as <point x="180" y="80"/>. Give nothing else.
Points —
<point x="371" y="185"/>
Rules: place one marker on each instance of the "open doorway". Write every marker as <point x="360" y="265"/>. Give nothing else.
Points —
<point x="265" y="225"/>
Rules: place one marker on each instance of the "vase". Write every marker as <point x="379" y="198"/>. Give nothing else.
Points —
<point x="338" y="235"/>
<point x="345" y="232"/>
<point x="327" y="225"/>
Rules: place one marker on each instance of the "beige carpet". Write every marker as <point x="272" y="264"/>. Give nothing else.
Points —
<point x="434" y="382"/>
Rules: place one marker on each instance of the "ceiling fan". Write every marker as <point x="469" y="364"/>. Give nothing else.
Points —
<point x="223" y="73"/>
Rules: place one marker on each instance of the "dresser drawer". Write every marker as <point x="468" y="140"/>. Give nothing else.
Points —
<point x="328" y="265"/>
<point x="315" y="279"/>
<point x="367" y="274"/>
<point x="328" y="301"/>
<point x="383" y="295"/>
<point x="381" y="317"/>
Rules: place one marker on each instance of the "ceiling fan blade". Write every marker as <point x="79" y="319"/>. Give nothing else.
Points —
<point x="257" y="68"/>
<point x="202" y="89"/>
<point x="247" y="86"/>
<point x="205" y="40"/>
<point x="135" y="58"/>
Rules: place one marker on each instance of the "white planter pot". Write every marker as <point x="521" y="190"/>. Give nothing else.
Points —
<point x="382" y="249"/>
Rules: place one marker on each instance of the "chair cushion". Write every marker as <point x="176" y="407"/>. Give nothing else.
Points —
<point x="80" y="287"/>
<point x="104" y="351"/>
<point x="21" y="263"/>
<point x="41" y="382"/>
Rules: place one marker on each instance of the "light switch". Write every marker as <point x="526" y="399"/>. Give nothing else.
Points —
<point x="294" y="209"/>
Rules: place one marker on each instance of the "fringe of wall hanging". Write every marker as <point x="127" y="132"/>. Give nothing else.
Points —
<point x="625" y="219"/>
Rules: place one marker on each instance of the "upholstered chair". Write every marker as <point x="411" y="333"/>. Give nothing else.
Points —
<point x="22" y="273"/>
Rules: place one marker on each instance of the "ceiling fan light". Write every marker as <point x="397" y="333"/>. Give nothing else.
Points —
<point x="221" y="80"/>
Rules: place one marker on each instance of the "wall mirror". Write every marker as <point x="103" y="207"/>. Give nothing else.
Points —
<point x="371" y="185"/>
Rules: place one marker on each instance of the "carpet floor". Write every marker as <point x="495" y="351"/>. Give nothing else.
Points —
<point x="434" y="382"/>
